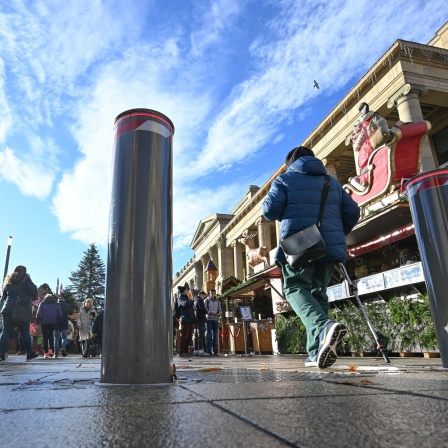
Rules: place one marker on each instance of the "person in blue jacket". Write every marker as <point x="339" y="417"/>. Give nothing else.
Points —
<point x="294" y="200"/>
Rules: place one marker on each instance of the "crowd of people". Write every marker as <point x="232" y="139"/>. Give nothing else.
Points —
<point x="198" y="321"/>
<point x="301" y="198"/>
<point x="49" y="326"/>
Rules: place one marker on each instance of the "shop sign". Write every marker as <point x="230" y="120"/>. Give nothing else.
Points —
<point x="405" y="275"/>
<point x="372" y="283"/>
<point x="337" y="292"/>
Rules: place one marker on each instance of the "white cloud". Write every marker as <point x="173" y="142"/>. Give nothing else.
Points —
<point x="216" y="19"/>
<point x="328" y="41"/>
<point x="81" y="203"/>
<point x="32" y="179"/>
<point x="191" y="205"/>
<point x="5" y="112"/>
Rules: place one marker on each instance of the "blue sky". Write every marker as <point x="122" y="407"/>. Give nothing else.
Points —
<point x="234" y="76"/>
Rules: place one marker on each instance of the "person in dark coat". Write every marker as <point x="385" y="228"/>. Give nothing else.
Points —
<point x="48" y="316"/>
<point x="18" y="285"/>
<point x="199" y="326"/>
<point x="97" y="328"/>
<point x="187" y="318"/>
<point x="294" y="200"/>
<point x="62" y="327"/>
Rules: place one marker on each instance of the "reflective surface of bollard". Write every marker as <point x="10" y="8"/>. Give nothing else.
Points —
<point x="137" y="335"/>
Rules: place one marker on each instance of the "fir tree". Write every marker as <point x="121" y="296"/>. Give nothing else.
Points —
<point x="88" y="281"/>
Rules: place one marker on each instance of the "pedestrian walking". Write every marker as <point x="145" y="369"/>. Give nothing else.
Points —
<point x="62" y="327"/>
<point x="97" y="329"/>
<point x="200" y="324"/>
<point x="48" y="317"/>
<point x="18" y="286"/>
<point x="295" y="200"/>
<point x="187" y="318"/>
<point x="86" y="316"/>
<point x="70" y="347"/>
<point x="213" y="308"/>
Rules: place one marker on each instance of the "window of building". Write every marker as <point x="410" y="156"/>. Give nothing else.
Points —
<point x="440" y="141"/>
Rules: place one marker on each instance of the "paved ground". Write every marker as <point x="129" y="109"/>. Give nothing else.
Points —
<point x="263" y="401"/>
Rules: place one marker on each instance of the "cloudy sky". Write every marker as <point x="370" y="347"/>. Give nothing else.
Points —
<point x="234" y="76"/>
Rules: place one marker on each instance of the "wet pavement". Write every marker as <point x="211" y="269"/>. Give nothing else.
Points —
<point x="264" y="401"/>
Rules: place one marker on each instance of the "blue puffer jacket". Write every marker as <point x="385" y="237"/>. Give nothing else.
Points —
<point x="294" y="200"/>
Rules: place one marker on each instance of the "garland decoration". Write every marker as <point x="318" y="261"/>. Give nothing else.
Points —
<point x="237" y="334"/>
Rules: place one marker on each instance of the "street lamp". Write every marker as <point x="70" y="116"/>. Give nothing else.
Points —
<point x="7" y="258"/>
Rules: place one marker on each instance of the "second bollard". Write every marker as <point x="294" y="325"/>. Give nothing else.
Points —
<point x="428" y="197"/>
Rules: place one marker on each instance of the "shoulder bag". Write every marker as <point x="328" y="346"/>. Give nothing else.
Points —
<point x="307" y="245"/>
<point x="23" y="312"/>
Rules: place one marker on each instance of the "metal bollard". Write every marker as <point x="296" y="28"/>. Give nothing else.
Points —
<point x="428" y="197"/>
<point x="137" y="333"/>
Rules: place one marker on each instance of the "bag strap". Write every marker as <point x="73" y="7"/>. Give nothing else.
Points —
<point x="323" y="198"/>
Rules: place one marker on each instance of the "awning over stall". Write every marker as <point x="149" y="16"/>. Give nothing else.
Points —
<point x="385" y="222"/>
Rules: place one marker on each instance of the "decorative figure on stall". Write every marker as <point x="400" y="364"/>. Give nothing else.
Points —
<point x="369" y="133"/>
<point x="384" y="157"/>
<point x="255" y="255"/>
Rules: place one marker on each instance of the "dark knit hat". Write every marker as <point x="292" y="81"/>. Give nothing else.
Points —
<point x="296" y="153"/>
<point x="181" y="289"/>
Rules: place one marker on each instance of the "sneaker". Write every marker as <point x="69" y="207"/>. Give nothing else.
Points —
<point x="202" y="353"/>
<point x="184" y="355"/>
<point x="47" y="355"/>
<point x="31" y="355"/>
<point x="196" y="353"/>
<point x="56" y="355"/>
<point x="50" y="352"/>
<point x="215" y="354"/>
<point x="2" y="356"/>
<point x="329" y="338"/>
<point x="63" y="352"/>
<point x="311" y="361"/>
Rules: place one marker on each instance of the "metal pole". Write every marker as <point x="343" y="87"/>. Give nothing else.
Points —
<point x="428" y="198"/>
<point x="138" y="333"/>
<point x="244" y="334"/>
<point x="8" y="251"/>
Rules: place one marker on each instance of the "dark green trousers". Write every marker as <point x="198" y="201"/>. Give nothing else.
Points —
<point x="306" y="291"/>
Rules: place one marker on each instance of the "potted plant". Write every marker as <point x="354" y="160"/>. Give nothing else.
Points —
<point x="290" y="334"/>
<point x="386" y="331"/>
<point x="351" y="316"/>
<point x="403" y="316"/>
<point x="427" y="333"/>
